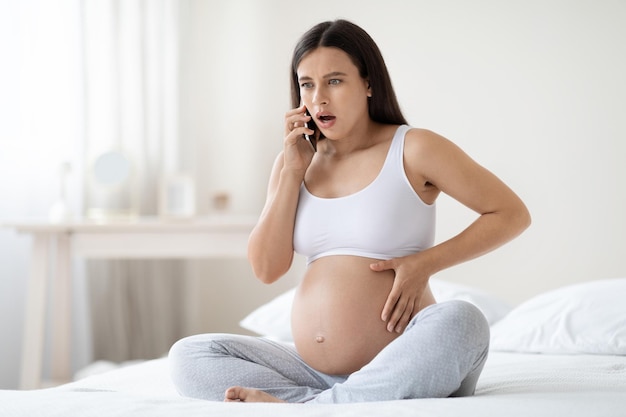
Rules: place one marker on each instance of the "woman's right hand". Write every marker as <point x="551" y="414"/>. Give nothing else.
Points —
<point x="297" y="151"/>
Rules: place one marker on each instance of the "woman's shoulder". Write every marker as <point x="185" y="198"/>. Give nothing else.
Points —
<point x="425" y="146"/>
<point x="421" y="134"/>
<point x="417" y="139"/>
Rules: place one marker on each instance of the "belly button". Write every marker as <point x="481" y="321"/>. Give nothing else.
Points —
<point x="319" y="339"/>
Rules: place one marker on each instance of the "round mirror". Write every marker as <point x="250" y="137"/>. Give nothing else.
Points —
<point x="111" y="168"/>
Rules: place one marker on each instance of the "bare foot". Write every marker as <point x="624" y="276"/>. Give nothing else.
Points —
<point x="249" y="395"/>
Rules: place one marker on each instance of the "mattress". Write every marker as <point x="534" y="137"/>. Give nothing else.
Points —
<point x="560" y="353"/>
<point x="512" y="384"/>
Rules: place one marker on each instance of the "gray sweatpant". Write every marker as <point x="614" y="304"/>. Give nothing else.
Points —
<point x="440" y="354"/>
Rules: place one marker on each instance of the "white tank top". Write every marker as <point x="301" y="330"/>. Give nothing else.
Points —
<point x="384" y="220"/>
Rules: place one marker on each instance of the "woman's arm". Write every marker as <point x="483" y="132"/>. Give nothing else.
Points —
<point x="433" y="165"/>
<point x="434" y="161"/>
<point x="270" y="246"/>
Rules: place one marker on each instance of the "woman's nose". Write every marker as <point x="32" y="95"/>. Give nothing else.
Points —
<point x="319" y="97"/>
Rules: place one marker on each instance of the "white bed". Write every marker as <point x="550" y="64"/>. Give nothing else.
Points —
<point x="562" y="353"/>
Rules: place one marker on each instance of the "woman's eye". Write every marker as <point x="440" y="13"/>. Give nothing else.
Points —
<point x="306" y="85"/>
<point x="334" y="82"/>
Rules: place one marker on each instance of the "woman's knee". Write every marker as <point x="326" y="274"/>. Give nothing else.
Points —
<point x="462" y="319"/>
<point x="198" y="346"/>
<point x="471" y="319"/>
<point x="190" y="362"/>
<point x="462" y="309"/>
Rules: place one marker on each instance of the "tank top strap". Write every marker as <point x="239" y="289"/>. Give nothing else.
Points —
<point x="395" y="155"/>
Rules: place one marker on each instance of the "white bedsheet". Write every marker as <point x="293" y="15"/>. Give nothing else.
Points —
<point x="511" y="385"/>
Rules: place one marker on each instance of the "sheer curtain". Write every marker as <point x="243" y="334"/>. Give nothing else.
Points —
<point x="131" y="95"/>
<point x="40" y="128"/>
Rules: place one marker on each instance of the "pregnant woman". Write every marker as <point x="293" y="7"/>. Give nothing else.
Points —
<point x="360" y="205"/>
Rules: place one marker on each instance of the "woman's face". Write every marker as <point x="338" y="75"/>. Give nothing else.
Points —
<point x="333" y="91"/>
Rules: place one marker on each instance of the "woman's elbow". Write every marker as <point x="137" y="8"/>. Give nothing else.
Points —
<point x="267" y="272"/>
<point x="265" y="276"/>
<point x="522" y="218"/>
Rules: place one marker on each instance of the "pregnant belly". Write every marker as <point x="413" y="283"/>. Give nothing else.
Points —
<point x="336" y="321"/>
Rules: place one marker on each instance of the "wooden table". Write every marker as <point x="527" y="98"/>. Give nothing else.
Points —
<point x="55" y="245"/>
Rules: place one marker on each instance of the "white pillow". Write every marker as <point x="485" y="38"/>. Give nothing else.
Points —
<point x="493" y="308"/>
<point x="273" y="320"/>
<point x="581" y="318"/>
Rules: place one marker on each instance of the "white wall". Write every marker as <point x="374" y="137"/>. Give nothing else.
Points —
<point x="533" y="90"/>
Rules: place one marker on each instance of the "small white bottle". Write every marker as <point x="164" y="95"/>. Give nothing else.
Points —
<point x="60" y="211"/>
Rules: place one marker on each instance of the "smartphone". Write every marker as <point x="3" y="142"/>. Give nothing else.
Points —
<point x="317" y="134"/>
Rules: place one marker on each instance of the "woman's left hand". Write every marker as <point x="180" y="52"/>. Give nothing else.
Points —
<point x="404" y="299"/>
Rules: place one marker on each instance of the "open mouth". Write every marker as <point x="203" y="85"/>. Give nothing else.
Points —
<point x="325" y="119"/>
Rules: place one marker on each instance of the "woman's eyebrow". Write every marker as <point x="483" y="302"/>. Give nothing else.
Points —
<point x="329" y="75"/>
<point x="335" y="74"/>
